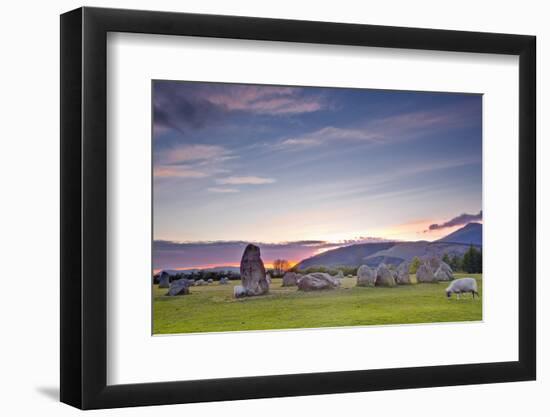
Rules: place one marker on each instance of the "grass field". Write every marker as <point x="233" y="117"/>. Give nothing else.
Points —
<point x="212" y="308"/>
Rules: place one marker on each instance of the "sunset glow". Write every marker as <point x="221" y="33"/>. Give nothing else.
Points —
<point x="301" y="171"/>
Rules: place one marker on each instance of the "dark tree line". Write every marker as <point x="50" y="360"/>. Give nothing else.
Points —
<point x="205" y="275"/>
<point x="471" y="262"/>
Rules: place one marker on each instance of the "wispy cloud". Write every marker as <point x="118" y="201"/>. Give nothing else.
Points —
<point x="175" y="171"/>
<point x="457" y="221"/>
<point x="262" y="99"/>
<point x="192" y="161"/>
<point x="222" y="190"/>
<point x="194" y="153"/>
<point x="329" y="134"/>
<point x="250" y="180"/>
<point x="388" y="129"/>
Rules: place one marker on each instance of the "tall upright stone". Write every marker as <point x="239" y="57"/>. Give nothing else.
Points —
<point x="384" y="277"/>
<point x="444" y="272"/>
<point x="366" y="276"/>
<point x="424" y="273"/>
<point x="164" y="280"/>
<point x="403" y="276"/>
<point x="253" y="276"/>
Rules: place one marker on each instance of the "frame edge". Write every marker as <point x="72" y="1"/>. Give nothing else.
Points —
<point x="70" y="215"/>
<point x="83" y="314"/>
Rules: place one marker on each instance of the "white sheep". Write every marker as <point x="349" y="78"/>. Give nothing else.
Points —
<point x="462" y="285"/>
<point x="239" y="291"/>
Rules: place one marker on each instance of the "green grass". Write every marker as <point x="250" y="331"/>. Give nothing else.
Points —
<point x="212" y="308"/>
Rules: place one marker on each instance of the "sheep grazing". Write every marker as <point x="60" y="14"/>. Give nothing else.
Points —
<point x="462" y="285"/>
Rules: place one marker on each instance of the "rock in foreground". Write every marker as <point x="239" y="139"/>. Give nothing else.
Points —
<point x="366" y="276"/>
<point x="384" y="277"/>
<point x="317" y="281"/>
<point x="179" y="287"/>
<point x="444" y="272"/>
<point x="164" y="280"/>
<point x="290" y="279"/>
<point x="403" y="276"/>
<point x="253" y="276"/>
<point x="424" y="273"/>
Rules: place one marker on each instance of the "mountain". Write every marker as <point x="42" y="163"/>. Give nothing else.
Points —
<point x="406" y="251"/>
<point x="347" y="255"/>
<point x="394" y="253"/>
<point x="471" y="234"/>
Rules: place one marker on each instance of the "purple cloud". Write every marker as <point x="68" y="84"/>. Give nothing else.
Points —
<point x="458" y="221"/>
<point x="187" y="105"/>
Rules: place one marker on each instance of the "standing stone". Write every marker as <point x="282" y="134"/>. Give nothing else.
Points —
<point x="403" y="276"/>
<point x="444" y="272"/>
<point x="340" y="275"/>
<point x="164" y="280"/>
<point x="200" y="282"/>
<point x="317" y="281"/>
<point x="268" y="279"/>
<point x="179" y="287"/>
<point x="210" y="281"/>
<point x="224" y="281"/>
<point x="366" y="276"/>
<point x="290" y="279"/>
<point x="424" y="273"/>
<point x="384" y="277"/>
<point x="434" y="263"/>
<point x="253" y="277"/>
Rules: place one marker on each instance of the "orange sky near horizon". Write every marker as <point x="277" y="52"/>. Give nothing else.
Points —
<point x="411" y="231"/>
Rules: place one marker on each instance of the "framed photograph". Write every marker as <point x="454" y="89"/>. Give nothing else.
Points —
<point x="257" y="208"/>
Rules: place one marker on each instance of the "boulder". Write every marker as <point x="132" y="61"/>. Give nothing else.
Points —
<point x="179" y="287"/>
<point x="434" y="263"/>
<point x="340" y="275"/>
<point x="290" y="279"/>
<point x="317" y="281"/>
<point x="164" y="280"/>
<point x="366" y="276"/>
<point x="210" y="281"/>
<point x="403" y="276"/>
<point x="384" y="277"/>
<point x="444" y="272"/>
<point x="224" y="281"/>
<point x="424" y="273"/>
<point x="268" y="278"/>
<point x="200" y="282"/>
<point x="253" y="276"/>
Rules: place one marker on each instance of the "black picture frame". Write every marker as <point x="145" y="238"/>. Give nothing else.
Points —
<point x="84" y="207"/>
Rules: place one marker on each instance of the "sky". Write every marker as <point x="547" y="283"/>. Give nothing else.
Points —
<point x="300" y="170"/>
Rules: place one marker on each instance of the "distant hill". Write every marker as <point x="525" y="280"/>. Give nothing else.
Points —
<point x="394" y="253"/>
<point x="348" y="255"/>
<point x="471" y="234"/>
<point x="408" y="250"/>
